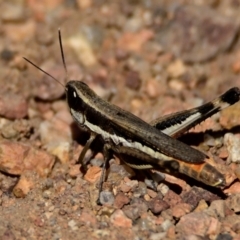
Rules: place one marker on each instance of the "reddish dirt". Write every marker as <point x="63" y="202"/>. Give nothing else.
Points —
<point x="148" y="57"/>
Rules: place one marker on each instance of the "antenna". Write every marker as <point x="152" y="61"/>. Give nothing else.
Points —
<point x="62" y="53"/>
<point x="43" y="71"/>
<point x="63" y="60"/>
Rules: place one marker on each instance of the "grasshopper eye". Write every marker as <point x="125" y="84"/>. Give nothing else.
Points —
<point x="71" y="92"/>
<point x="74" y="94"/>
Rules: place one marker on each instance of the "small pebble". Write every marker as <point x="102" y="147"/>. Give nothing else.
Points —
<point x="181" y="209"/>
<point x="176" y="69"/>
<point x="166" y="225"/>
<point x="198" y="223"/>
<point x="46" y="194"/>
<point x="24" y="185"/>
<point x="157" y="205"/>
<point x="232" y="143"/>
<point x="233" y="202"/>
<point x="120" y="200"/>
<point x="93" y="174"/>
<point x="144" y="224"/>
<point x="158" y="236"/>
<point x="13" y="106"/>
<point x="106" y="198"/>
<point x="73" y="225"/>
<point x="119" y="219"/>
<point x="81" y="45"/>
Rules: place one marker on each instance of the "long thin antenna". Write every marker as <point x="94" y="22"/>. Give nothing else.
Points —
<point x="43" y="71"/>
<point x="62" y="53"/>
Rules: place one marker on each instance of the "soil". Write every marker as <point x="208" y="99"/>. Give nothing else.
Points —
<point x="150" y="58"/>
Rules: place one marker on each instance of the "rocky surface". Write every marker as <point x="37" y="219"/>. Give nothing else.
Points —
<point x="148" y="57"/>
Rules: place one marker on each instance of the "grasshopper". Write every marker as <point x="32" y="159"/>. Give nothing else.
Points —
<point x="175" y="125"/>
<point x="137" y="143"/>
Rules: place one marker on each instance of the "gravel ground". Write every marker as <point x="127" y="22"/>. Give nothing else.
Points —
<point x="150" y="58"/>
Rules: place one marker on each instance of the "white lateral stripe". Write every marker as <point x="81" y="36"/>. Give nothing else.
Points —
<point x="222" y="105"/>
<point x="120" y="140"/>
<point x="143" y="166"/>
<point x="77" y="116"/>
<point x="218" y="103"/>
<point x="179" y="126"/>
